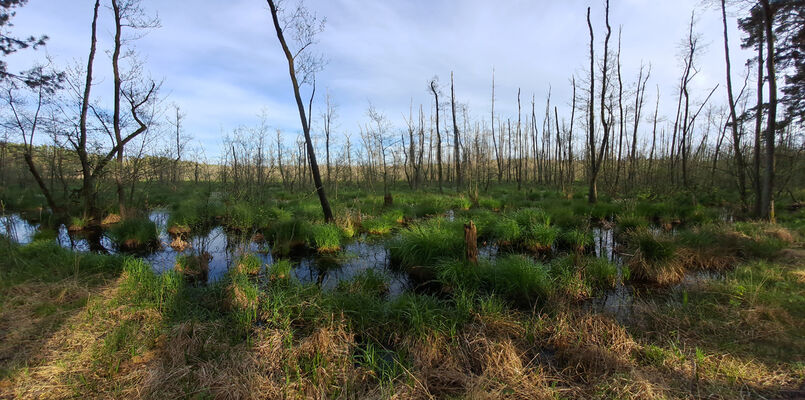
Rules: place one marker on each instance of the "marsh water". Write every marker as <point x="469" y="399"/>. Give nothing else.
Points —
<point x="327" y="270"/>
<point x="360" y="254"/>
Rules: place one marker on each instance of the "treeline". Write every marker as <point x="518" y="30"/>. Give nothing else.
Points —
<point x="737" y="137"/>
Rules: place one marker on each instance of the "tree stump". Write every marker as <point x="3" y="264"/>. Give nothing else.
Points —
<point x="471" y="240"/>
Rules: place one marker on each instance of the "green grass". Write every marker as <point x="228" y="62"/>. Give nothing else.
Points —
<point x="280" y="270"/>
<point x="248" y="264"/>
<point x="326" y="238"/>
<point x="427" y="243"/>
<point x="540" y="236"/>
<point x="600" y="272"/>
<point x="518" y="279"/>
<point x="134" y="234"/>
<point x="242" y="300"/>
<point x="576" y="240"/>
<point x="505" y="230"/>
<point x="377" y="225"/>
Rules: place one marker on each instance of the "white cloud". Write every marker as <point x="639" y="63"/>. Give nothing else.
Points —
<point x="222" y="64"/>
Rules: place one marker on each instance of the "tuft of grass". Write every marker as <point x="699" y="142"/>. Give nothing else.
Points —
<point x="518" y="279"/>
<point x="531" y="216"/>
<point x="326" y="238"/>
<point x="287" y="235"/>
<point x="630" y="222"/>
<point x="144" y="287"/>
<point x="653" y="258"/>
<point x="377" y="225"/>
<point x="540" y="236"/>
<point x="194" y="268"/>
<point x="248" y="264"/>
<point x="577" y="240"/>
<point x="280" y="270"/>
<point x="242" y="301"/>
<point x="567" y="278"/>
<point x="135" y="234"/>
<point x="369" y="282"/>
<point x="427" y="243"/>
<point x="505" y="230"/>
<point x="600" y="272"/>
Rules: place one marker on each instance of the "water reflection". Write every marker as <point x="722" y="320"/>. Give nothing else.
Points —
<point x="225" y="248"/>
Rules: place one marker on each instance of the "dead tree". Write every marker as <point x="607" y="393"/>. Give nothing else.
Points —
<point x="434" y="87"/>
<point x="306" y="26"/>
<point x="456" y="152"/>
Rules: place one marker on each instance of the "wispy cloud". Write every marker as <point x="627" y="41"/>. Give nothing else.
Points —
<point x="222" y="64"/>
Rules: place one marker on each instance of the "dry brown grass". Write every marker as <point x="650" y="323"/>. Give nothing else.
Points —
<point x="111" y="219"/>
<point x="179" y="244"/>
<point x="30" y="313"/>
<point x="70" y="361"/>
<point x="665" y="272"/>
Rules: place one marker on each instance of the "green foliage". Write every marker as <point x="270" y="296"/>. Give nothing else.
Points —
<point x="248" y="264"/>
<point x="134" y="233"/>
<point x="540" y="236"/>
<point x="144" y="287"/>
<point x="577" y="240"/>
<point x="600" y="272"/>
<point x="325" y="238"/>
<point x="518" y="279"/>
<point x="427" y="243"/>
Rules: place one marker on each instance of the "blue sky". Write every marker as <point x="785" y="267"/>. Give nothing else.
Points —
<point x="221" y="62"/>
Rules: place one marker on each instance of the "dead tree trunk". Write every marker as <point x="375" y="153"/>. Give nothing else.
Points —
<point x="311" y="154"/>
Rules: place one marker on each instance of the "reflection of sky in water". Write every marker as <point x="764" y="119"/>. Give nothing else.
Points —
<point x="17" y="229"/>
<point x="364" y="253"/>
<point x="356" y="256"/>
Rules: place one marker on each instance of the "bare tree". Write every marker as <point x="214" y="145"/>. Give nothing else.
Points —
<point x="456" y="152"/>
<point x="434" y="88"/>
<point x="305" y="26"/>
